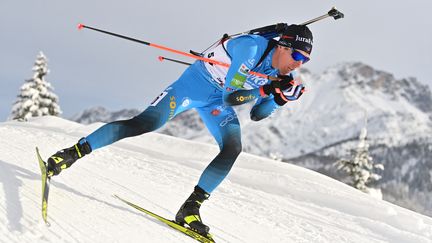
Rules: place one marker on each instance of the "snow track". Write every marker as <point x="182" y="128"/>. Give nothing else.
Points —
<point x="260" y="201"/>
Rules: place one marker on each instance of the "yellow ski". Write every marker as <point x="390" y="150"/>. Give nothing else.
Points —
<point x="45" y="187"/>
<point x="171" y="223"/>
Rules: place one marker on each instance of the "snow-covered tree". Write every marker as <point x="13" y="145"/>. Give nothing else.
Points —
<point x="361" y="168"/>
<point x="36" y="97"/>
<point x="276" y="156"/>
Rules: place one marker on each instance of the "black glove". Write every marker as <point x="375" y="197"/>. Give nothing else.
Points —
<point x="276" y="88"/>
<point x="285" y="82"/>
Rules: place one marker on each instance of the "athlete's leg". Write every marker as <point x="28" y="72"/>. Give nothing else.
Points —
<point x="163" y="108"/>
<point x="156" y="115"/>
<point x="223" y="124"/>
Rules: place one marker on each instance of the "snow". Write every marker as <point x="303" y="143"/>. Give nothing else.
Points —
<point x="262" y="200"/>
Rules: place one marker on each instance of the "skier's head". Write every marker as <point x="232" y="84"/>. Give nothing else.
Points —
<point x="293" y="50"/>
<point x="298" y="37"/>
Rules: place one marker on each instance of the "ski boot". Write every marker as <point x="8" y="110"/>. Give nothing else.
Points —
<point x="66" y="157"/>
<point x="189" y="212"/>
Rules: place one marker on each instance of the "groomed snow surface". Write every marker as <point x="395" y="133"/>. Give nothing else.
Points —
<point x="260" y="201"/>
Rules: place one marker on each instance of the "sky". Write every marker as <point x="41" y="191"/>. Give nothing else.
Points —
<point x="91" y="69"/>
<point x="261" y="200"/>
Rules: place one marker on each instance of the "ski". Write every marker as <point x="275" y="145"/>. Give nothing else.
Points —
<point x="187" y="231"/>
<point x="45" y="187"/>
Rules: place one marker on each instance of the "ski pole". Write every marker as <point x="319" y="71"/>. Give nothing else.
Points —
<point x="161" y="58"/>
<point x="223" y="64"/>
<point x="336" y="14"/>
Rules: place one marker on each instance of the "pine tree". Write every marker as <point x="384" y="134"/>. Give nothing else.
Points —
<point x="361" y="168"/>
<point x="36" y="96"/>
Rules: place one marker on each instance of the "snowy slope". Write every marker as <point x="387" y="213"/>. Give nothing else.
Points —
<point x="261" y="200"/>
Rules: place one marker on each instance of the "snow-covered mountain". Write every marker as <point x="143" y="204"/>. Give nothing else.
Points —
<point x="260" y="201"/>
<point x="100" y="114"/>
<point x="325" y="123"/>
<point x="399" y="128"/>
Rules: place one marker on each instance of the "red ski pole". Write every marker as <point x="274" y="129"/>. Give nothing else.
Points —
<point x="223" y="64"/>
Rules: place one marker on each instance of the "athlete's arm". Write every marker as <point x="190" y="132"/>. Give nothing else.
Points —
<point x="244" y="49"/>
<point x="263" y="108"/>
<point x="266" y="106"/>
<point x="240" y="97"/>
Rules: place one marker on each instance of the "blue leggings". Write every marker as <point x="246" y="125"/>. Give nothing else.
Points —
<point x="191" y="90"/>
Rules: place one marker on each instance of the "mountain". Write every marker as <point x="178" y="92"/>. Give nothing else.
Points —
<point x="101" y="114"/>
<point x="323" y="126"/>
<point x="399" y="126"/>
<point x="260" y="201"/>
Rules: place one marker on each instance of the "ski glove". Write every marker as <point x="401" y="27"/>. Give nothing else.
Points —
<point x="295" y="92"/>
<point x="276" y="88"/>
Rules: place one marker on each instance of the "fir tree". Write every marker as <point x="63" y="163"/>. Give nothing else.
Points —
<point x="361" y="168"/>
<point x="36" y="96"/>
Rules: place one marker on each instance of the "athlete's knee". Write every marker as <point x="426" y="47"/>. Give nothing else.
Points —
<point x="140" y="124"/>
<point x="231" y="149"/>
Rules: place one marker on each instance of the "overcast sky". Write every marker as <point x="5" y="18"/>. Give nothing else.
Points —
<point x="90" y="69"/>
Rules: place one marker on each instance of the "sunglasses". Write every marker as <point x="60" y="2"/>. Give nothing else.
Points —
<point x="298" y="56"/>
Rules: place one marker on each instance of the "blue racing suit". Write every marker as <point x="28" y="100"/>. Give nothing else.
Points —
<point x="206" y="88"/>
